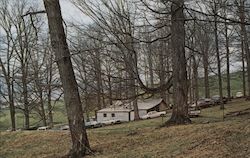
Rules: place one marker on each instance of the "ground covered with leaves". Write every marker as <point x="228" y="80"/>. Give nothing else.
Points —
<point x="207" y="136"/>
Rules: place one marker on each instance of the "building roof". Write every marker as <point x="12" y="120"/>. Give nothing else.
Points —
<point x="127" y="106"/>
<point x="117" y="109"/>
<point x="148" y="104"/>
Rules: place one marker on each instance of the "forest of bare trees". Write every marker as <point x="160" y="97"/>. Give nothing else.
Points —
<point x="130" y="50"/>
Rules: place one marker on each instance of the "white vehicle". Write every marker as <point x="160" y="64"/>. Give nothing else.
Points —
<point x="111" y="122"/>
<point x="153" y="114"/>
<point x="93" y="124"/>
<point x="239" y="95"/>
<point x="193" y="112"/>
<point x="43" y="128"/>
<point x="65" y="127"/>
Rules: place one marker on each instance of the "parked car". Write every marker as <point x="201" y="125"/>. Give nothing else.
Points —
<point x="209" y="101"/>
<point x="202" y="103"/>
<point x="193" y="112"/>
<point x="65" y="127"/>
<point x="239" y="95"/>
<point x="93" y="124"/>
<point x="216" y="99"/>
<point x="153" y="114"/>
<point x="111" y="122"/>
<point x="43" y="128"/>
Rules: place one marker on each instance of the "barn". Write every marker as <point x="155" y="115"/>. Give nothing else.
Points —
<point x="124" y="112"/>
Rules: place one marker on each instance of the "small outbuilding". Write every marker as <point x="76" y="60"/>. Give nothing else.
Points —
<point x="123" y="111"/>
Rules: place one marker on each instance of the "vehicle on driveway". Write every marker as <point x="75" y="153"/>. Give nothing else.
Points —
<point x="153" y="114"/>
<point x="216" y="99"/>
<point x="202" y="103"/>
<point x="45" y="128"/>
<point x="88" y="124"/>
<point x="93" y="124"/>
<point x="111" y="122"/>
<point x="65" y="127"/>
<point x="239" y="95"/>
<point x="193" y="112"/>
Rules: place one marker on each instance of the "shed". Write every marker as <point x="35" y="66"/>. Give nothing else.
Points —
<point x="123" y="111"/>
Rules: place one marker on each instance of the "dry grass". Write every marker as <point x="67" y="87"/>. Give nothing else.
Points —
<point x="144" y="139"/>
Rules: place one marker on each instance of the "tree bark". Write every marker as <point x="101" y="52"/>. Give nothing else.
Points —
<point x="150" y="64"/>
<point x="80" y="143"/>
<point x="206" y="78"/>
<point x="49" y="92"/>
<point x="246" y="46"/>
<point x="243" y="66"/>
<point x="98" y="77"/>
<point x="228" y="63"/>
<point x="196" y="85"/>
<point x="218" y="57"/>
<point x="162" y="69"/>
<point x="25" y="97"/>
<point x="180" y="83"/>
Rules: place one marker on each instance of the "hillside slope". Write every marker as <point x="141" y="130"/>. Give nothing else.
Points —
<point x="208" y="136"/>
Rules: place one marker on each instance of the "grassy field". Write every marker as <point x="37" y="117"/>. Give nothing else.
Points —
<point x="236" y="84"/>
<point x="59" y="117"/>
<point x="207" y="136"/>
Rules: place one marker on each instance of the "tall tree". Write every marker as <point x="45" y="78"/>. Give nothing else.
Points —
<point x="245" y="40"/>
<point x="80" y="143"/>
<point x="180" y="83"/>
<point x="215" y="11"/>
<point x="8" y="73"/>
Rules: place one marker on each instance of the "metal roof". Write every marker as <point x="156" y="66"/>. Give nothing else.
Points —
<point x="127" y="107"/>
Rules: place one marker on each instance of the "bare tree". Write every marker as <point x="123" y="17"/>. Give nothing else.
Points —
<point x="180" y="87"/>
<point x="80" y="143"/>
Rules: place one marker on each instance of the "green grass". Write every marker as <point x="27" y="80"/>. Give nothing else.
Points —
<point x="236" y="84"/>
<point x="59" y="117"/>
<point x="217" y="139"/>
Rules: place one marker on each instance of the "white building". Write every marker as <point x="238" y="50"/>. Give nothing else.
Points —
<point x="124" y="111"/>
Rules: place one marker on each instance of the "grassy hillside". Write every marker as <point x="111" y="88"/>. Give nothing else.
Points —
<point x="208" y="136"/>
<point x="236" y="84"/>
<point x="59" y="117"/>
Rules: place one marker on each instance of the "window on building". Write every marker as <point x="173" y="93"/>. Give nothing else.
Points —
<point x="104" y="115"/>
<point x="113" y="115"/>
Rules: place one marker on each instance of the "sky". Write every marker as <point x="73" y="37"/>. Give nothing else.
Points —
<point x="72" y="14"/>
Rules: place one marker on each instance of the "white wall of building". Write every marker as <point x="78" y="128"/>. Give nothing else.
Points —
<point x="122" y="116"/>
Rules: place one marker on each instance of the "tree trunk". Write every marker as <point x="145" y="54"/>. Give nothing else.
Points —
<point x="80" y="143"/>
<point x="12" y="107"/>
<point x="49" y="93"/>
<point x="98" y="80"/>
<point x="133" y="94"/>
<point x="110" y="89"/>
<point x="246" y="46"/>
<point x="196" y="85"/>
<point x="228" y="63"/>
<point x="162" y="69"/>
<point x="243" y="66"/>
<point x="180" y="87"/>
<point x="25" y="97"/>
<point x="167" y="77"/>
<point x="190" y="82"/>
<point x="218" y="58"/>
<point x="50" y="114"/>
<point x="206" y="79"/>
<point x="150" y="64"/>
<point x="43" y="115"/>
